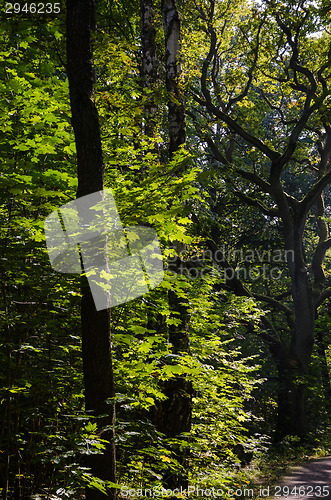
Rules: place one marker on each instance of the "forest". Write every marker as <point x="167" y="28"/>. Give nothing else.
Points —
<point x="208" y="124"/>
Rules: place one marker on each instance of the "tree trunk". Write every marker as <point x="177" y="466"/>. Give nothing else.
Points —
<point x="291" y="416"/>
<point x="96" y="346"/>
<point x="304" y="311"/>
<point x="294" y="374"/>
<point x="149" y="63"/>
<point x="176" y="110"/>
<point x="325" y="375"/>
<point x="176" y="415"/>
<point x="176" y="411"/>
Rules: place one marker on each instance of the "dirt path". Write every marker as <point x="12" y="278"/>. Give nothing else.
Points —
<point x="311" y="480"/>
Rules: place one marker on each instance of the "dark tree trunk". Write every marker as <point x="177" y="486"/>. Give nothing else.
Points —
<point x="97" y="361"/>
<point x="325" y="375"/>
<point x="291" y="416"/>
<point x="293" y="366"/>
<point x="292" y="361"/>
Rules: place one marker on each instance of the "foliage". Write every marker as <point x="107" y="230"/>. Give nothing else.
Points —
<point x="193" y="201"/>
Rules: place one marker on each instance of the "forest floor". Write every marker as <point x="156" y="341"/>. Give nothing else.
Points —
<point x="309" y="480"/>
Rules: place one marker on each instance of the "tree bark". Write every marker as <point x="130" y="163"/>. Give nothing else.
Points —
<point x="176" y="109"/>
<point x="177" y="409"/>
<point x="96" y="345"/>
<point x="291" y="415"/>
<point x="325" y="375"/>
<point x="149" y="63"/>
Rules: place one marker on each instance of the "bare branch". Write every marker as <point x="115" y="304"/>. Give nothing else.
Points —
<point x="317" y="265"/>
<point x="270" y="212"/>
<point x="277" y="108"/>
<point x="323" y="296"/>
<point x="308" y="201"/>
<point x="253" y="177"/>
<point x="273" y="302"/>
<point x="244" y="93"/>
<point x="232" y="124"/>
<point x="294" y="62"/>
<point x="277" y="305"/>
<point x="216" y="152"/>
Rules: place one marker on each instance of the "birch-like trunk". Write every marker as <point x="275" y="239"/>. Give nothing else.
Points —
<point x="176" y="109"/>
<point x="177" y="409"/>
<point x="149" y="64"/>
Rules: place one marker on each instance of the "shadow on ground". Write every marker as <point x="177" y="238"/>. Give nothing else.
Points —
<point x="314" y="478"/>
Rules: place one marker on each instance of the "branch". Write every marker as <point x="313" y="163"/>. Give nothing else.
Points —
<point x="216" y="152"/>
<point x="235" y="285"/>
<point x="310" y="93"/>
<point x="323" y="296"/>
<point x="274" y="343"/>
<point x="277" y="108"/>
<point x="266" y="187"/>
<point x="294" y="62"/>
<point x="253" y="177"/>
<point x="317" y="268"/>
<point x="308" y="201"/>
<point x="232" y="124"/>
<point x="277" y="305"/>
<point x="283" y="295"/>
<point x="273" y="302"/>
<point x="271" y="212"/>
<point x="250" y="72"/>
<point x="292" y="143"/>
<point x="45" y="305"/>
